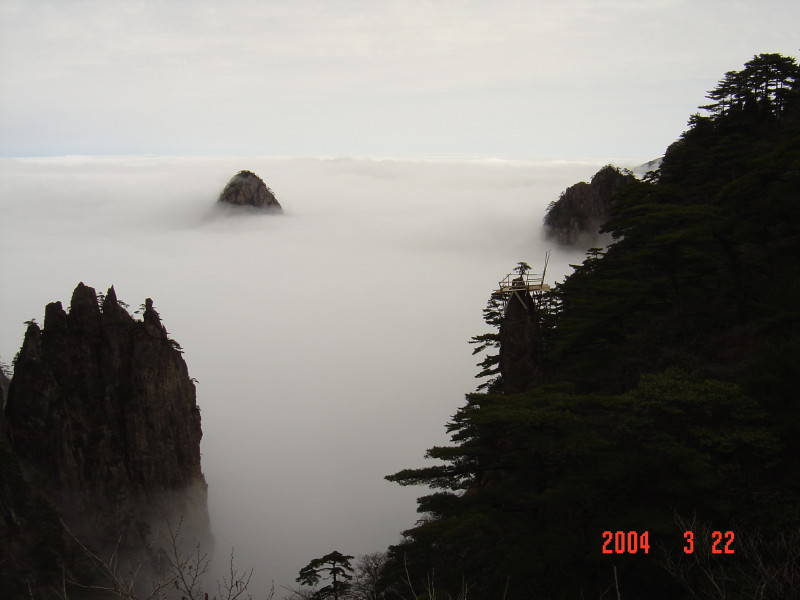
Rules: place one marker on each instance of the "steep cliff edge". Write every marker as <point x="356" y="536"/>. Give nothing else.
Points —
<point x="582" y="208"/>
<point x="102" y="421"/>
<point x="521" y="344"/>
<point x="4" y="382"/>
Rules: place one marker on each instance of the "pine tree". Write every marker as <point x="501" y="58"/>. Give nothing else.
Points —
<point x="762" y="86"/>
<point x="490" y="365"/>
<point x="335" y="567"/>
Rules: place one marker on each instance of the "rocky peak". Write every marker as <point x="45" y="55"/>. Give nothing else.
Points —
<point x="584" y="207"/>
<point x="102" y="416"/>
<point x="55" y="319"/>
<point x="103" y="381"/>
<point x="152" y="321"/>
<point x="248" y="189"/>
<point x="83" y="310"/>
<point x="113" y="313"/>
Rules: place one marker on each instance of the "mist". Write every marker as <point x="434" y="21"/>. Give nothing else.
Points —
<point x="329" y="342"/>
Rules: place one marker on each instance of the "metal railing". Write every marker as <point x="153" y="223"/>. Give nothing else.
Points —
<point x="528" y="282"/>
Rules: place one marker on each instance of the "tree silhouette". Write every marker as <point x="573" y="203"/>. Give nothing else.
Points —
<point x="492" y="316"/>
<point x="522" y="268"/>
<point x="334" y="566"/>
<point x="762" y="86"/>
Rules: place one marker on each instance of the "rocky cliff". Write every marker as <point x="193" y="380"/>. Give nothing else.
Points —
<point x="248" y="189"/>
<point x="102" y="422"/>
<point x="584" y="207"/>
<point x="4" y="382"/>
<point x="521" y="344"/>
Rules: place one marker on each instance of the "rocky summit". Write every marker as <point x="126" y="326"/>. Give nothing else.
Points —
<point x="584" y="207"/>
<point x="248" y="189"/>
<point x="101" y="430"/>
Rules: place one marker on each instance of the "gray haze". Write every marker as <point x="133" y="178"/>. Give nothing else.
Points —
<point x="515" y="79"/>
<point x="330" y="343"/>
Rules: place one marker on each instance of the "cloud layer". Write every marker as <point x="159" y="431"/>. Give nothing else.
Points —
<point x="329" y="342"/>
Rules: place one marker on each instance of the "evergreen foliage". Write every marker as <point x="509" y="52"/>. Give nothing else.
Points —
<point x="490" y="365"/>
<point x="669" y="392"/>
<point x="335" y="567"/>
<point x="764" y="85"/>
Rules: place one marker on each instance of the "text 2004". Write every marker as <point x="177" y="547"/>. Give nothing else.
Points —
<point x="634" y="542"/>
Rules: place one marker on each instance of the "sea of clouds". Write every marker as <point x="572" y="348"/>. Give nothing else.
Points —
<point x="329" y="342"/>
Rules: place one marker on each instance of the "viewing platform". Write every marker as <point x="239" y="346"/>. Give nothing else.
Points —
<point x="522" y="282"/>
<point x="529" y="282"/>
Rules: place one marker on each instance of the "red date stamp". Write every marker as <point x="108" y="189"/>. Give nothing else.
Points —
<point x="626" y="542"/>
<point x="635" y="542"/>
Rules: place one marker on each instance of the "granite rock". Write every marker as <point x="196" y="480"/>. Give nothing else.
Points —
<point x="248" y="189"/>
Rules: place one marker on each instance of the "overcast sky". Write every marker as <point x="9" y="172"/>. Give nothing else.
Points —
<point x="569" y="79"/>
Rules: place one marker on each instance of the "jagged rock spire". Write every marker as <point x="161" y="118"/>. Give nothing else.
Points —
<point x="102" y="415"/>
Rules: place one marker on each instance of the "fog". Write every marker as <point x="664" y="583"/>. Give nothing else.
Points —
<point x="329" y="342"/>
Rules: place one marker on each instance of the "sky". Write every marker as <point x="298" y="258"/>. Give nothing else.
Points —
<point x="596" y="79"/>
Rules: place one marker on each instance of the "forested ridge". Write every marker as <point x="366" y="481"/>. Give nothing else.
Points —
<point x="664" y="397"/>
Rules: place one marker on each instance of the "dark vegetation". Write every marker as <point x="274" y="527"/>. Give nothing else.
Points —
<point x="665" y="397"/>
<point x="335" y="568"/>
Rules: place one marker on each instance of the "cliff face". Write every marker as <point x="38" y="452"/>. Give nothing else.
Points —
<point x="584" y="207"/>
<point x="248" y="189"/>
<point x="520" y="344"/>
<point x="102" y="418"/>
<point x="4" y="382"/>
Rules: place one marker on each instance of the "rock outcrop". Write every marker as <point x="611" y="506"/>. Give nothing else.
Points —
<point x="521" y="344"/>
<point x="4" y="383"/>
<point x="102" y="421"/>
<point x="584" y="207"/>
<point x="248" y="189"/>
